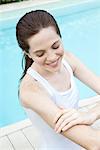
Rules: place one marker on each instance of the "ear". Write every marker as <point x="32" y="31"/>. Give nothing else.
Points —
<point x="28" y="55"/>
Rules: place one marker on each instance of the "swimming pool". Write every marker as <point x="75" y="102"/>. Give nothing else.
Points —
<point x="80" y="30"/>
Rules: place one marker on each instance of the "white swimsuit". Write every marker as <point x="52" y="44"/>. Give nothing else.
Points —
<point x="47" y="138"/>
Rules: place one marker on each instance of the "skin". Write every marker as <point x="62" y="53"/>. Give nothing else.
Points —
<point x="46" y="54"/>
<point x="47" y="51"/>
<point x="73" y="117"/>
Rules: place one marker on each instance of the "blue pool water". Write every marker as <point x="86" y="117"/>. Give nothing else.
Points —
<point x="80" y="34"/>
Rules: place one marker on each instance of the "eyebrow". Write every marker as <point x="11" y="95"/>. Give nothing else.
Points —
<point x="44" y="50"/>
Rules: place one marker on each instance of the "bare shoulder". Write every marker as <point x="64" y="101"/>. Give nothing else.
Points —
<point x="28" y="83"/>
<point x="29" y="86"/>
<point x="70" y="58"/>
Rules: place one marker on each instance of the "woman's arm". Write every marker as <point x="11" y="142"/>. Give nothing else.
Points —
<point x="84" y="74"/>
<point x="72" y="117"/>
<point x="36" y="99"/>
<point x="85" y="136"/>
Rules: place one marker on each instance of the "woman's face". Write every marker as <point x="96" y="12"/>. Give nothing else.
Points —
<point x="46" y="49"/>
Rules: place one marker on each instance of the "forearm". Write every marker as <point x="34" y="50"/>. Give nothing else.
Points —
<point x="82" y="135"/>
<point x="85" y="136"/>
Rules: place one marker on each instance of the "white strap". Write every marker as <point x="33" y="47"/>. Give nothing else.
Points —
<point x="68" y="67"/>
<point x="39" y="78"/>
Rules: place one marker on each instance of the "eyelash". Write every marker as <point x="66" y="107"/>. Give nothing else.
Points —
<point x="56" y="47"/>
<point x="40" y="55"/>
<point x="43" y="53"/>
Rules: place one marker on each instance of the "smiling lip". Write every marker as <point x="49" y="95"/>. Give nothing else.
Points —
<point x="54" y="64"/>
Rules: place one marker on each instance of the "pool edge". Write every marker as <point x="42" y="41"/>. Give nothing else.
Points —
<point x="14" y="127"/>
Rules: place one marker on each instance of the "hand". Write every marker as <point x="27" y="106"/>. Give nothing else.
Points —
<point x="70" y="117"/>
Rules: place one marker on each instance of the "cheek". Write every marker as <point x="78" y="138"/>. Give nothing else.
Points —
<point x="40" y="61"/>
<point x="60" y="51"/>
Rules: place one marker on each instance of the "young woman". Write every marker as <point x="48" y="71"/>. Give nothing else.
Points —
<point x="48" y="91"/>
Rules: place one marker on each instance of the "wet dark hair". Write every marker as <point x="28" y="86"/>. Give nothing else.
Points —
<point x="30" y="24"/>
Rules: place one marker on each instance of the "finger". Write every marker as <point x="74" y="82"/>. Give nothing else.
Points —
<point x="65" y="115"/>
<point x="63" y="118"/>
<point x="60" y="121"/>
<point x="60" y="113"/>
<point x="71" y="124"/>
<point x="64" y="123"/>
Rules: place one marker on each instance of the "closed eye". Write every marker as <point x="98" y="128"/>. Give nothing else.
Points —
<point x="56" y="45"/>
<point x="40" y="53"/>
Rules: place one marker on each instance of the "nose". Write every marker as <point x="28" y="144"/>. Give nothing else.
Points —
<point x="51" y="56"/>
